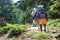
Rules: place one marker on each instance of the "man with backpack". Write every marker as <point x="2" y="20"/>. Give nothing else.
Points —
<point x="42" y="15"/>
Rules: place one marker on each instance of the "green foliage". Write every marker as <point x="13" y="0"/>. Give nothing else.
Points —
<point x="58" y="38"/>
<point x="42" y="35"/>
<point x="10" y="12"/>
<point x="29" y="33"/>
<point x="20" y="12"/>
<point x="12" y="29"/>
<point x="54" y="9"/>
<point x="1" y="31"/>
<point x="4" y="29"/>
<point x="55" y="23"/>
<point x="16" y="16"/>
<point x="16" y="30"/>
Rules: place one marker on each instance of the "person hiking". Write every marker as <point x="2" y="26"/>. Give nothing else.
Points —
<point x="42" y="15"/>
<point x="34" y="12"/>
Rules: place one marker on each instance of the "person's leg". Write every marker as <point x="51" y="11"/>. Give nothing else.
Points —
<point x="41" y="27"/>
<point x="44" y="27"/>
<point x="34" y="22"/>
<point x="44" y="23"/>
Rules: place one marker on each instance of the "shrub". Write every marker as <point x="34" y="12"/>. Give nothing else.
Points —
<point x="12" y="29"/>
<point x="55" y="23"/>
<point x="1" y="31"/>
<point x="16" y="30"/>
<point x="42" y="35"/>
<point x="4" y="29"/>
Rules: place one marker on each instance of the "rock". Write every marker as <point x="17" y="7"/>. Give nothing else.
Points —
<point x="58" y="36"/>
<point x="52" y="31"/>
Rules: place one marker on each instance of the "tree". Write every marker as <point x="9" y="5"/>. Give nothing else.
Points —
<point x="21" y="11"/>
<point x="54" y="9"/>
<point x="10" y="12"/>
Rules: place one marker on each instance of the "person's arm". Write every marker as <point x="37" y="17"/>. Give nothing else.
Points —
<point x="32" y="14"/>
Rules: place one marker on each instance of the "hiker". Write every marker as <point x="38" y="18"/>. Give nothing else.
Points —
<point x="34" y="12"/>
<point x="42" y="15"/>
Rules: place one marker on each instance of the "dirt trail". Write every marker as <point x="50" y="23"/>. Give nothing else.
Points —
<point x="35" y="31"/>
<point x="24" y="36"/>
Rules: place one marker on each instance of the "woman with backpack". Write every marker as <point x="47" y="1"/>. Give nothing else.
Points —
<point x="34" y="12"/>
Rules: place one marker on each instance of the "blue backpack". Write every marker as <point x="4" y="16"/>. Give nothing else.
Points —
<point x="41" y="13"/>
<point x="35" y="11"/>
